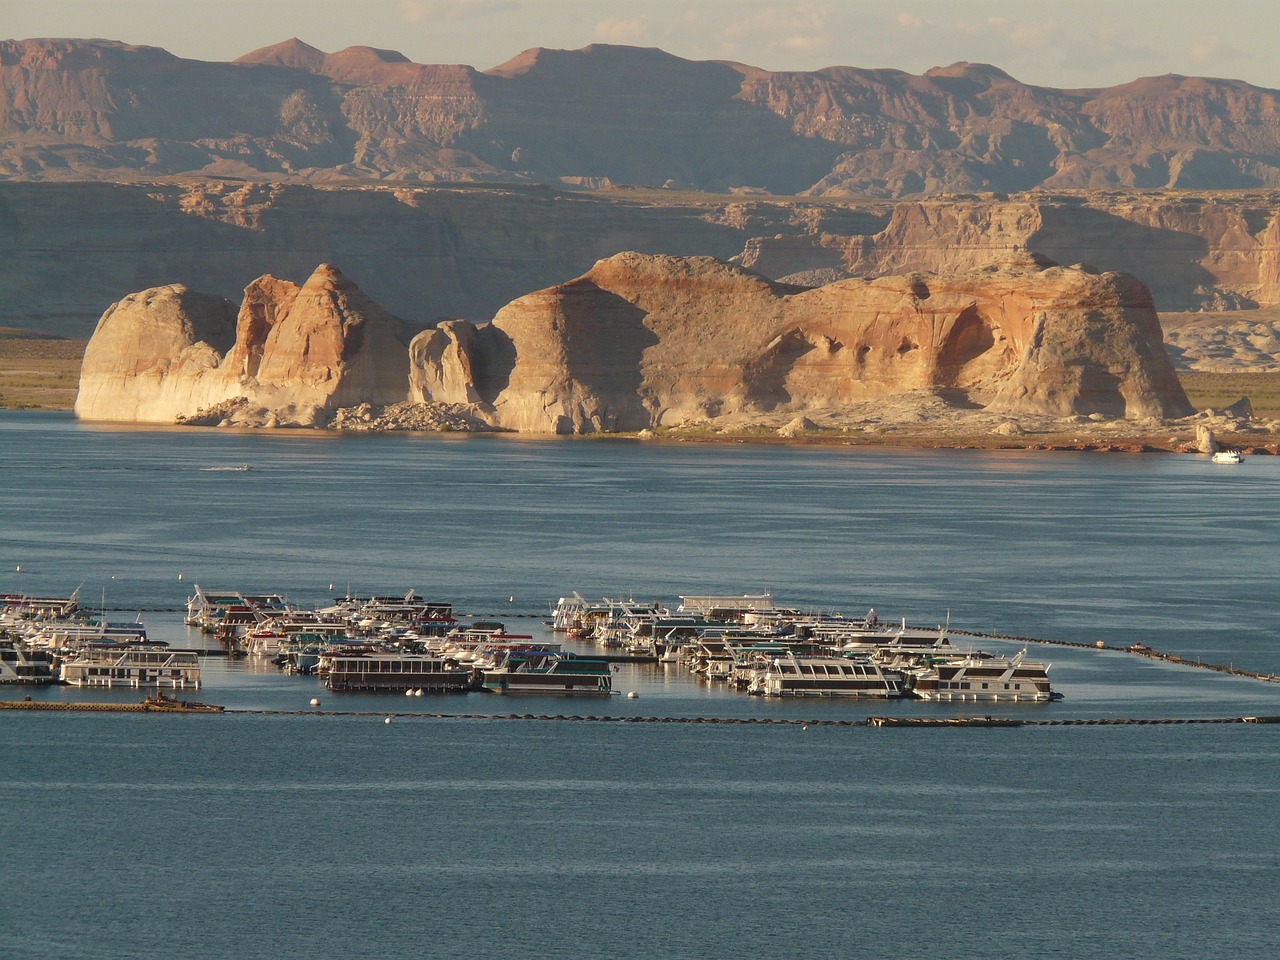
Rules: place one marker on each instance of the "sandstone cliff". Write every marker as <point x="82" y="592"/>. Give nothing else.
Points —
<point x="292" y="356"/>
<point x="441" y="252"/>
<point x="98" y="109"/>
<point x="1195" y="251"/>
<point x="640" y="341"/>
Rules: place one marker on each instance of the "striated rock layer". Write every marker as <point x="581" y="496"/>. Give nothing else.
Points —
<point x="82" y="109"/>
<point x="292" y="355"/>
<point x="640" y="341"/>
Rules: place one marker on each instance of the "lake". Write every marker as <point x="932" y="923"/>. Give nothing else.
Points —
<point x="304" y="836"/>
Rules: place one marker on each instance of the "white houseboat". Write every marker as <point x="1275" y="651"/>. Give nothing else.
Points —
<point x="394" y="673"/>
<point x="125" y="666"/>
<point x="981" y="677"/>
<point x="792" y="676"/>
<point x="548" y="672"/>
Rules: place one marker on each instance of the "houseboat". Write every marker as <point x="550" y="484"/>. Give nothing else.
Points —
<point x="547" y="672"/>
<point x="981" y="677"/>
<point x="117" y="665"/>
<point x="20" y="665"/>
<point x="794" y="676"/>
<point x="394" y="673"/>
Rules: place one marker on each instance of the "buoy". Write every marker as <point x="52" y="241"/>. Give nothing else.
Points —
<point x="388" y="720"/>
<point x="633" y="695"/>
<point x="315" y="701"/>
<point x="805" y="727"/>
<point x="179" y="578"/>
<point x="511" y="599"/>
<point x="19" y="568"/>
<point x="418" y="692"/>
<point x="409" y="692"/>
<point x="331" y="586"/>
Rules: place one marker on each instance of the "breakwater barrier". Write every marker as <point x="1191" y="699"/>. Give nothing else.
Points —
<point x="66" y="706"/>
<point x="1134" y="649"/>
<point x="980" y="722"/>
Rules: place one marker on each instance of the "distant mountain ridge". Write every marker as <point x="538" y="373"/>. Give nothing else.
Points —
<point x="104" y="110"/>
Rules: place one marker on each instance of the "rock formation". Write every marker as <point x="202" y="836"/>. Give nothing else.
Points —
<point x="292" y="356"/>
<point x="155" y="354"/>
<point x="98" y="109"/>
<point x="640" y="341"/>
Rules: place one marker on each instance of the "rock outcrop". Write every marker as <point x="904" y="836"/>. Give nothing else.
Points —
<point x="155" y="354"/>
<point x="640" y="341"/>
<point x="1193" y="251"/>
<point x="292" y="356"/>
<point x="637" y="342"/>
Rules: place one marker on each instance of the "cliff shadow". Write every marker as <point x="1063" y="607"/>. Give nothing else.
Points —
<point x="492" y="362"/>
<point x="1167" y="261"/>
<point x="605" y="338"/>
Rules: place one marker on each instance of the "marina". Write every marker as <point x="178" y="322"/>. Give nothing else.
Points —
<point x="408" y="646"/>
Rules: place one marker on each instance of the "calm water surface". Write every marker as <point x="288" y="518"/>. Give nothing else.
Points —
<point x="315" y="836"/>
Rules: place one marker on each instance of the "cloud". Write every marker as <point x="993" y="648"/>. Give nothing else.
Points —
<point x="805" y="44"/>
<point x="623" y="30"/>
<point x="417" y="11"/>
<point x="1205" y="50"/>
<point x="912" y="21"/>
<point x="785" y="28"/>
<point x="1034" y="34"/>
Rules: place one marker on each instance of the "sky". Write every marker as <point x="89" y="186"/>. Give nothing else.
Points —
<point x="1069" y="43"/>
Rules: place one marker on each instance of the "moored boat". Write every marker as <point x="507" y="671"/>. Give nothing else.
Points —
<point x="18" y="664"/>
<point x="395" y="673"/>
<point x="544" y="671"/>
<point x="122" y="665"/>
<point x="795" y="676"/>
<point x="981" y="677"/>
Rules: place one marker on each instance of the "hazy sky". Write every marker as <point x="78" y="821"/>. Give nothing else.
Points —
<point x="1071" y="43"/>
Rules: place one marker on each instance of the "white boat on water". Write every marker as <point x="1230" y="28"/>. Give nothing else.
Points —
<point x="395" y="673"/>
<point x="981" y="677"/>
<point x="21" y="665"/>
<point x="125" y="666"/>
<point x="793" y="676"/>
<point x="1228" y="456"/>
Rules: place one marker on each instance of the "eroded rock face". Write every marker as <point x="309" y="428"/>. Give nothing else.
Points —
<point x="641" y="341"/>
<point x="155" y="352"/>
<point x="293" y="355"/>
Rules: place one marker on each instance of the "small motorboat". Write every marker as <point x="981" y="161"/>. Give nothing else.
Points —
<point x="1228" y="456"/>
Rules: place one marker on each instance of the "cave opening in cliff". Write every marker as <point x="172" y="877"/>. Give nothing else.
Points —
<point x="970" y="351"/>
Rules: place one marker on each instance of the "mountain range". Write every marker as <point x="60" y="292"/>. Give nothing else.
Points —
<point x="73" y="109"/>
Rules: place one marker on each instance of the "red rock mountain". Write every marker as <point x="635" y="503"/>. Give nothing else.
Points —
<point x="94" y="109"/>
